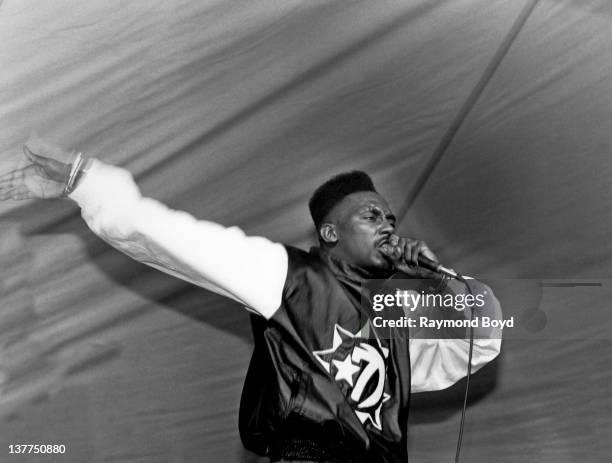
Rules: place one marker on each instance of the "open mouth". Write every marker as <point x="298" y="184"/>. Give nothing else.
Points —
<point x="382" y="242"/>
<point x="384" y="247"/>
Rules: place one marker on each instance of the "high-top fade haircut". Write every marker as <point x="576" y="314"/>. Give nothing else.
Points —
<point x="335" y="190"/>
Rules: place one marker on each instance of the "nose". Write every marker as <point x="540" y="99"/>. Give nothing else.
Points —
<point x="387" y="227"/>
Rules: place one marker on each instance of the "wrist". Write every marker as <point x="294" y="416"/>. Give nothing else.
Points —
<point x="78" y="171"/>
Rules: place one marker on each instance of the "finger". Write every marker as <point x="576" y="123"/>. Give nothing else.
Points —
<point x="390" y="248"/>
<point x="399" y="249"/>
<point x="11" y="178"/>
<point x="12" y="193"/>
<point x="22" y="193"/>
<point x="417" y="249"/>
<point x="6" y="194"/>
<point x="46" y="149"/>
<point x="48" y="167"/>
<point x="42" y="147"/>
<point x="410" y="251"/>
<point x="36" y="158"/>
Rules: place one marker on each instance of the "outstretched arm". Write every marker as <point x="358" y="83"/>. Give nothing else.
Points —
<point x="250" y="270"/>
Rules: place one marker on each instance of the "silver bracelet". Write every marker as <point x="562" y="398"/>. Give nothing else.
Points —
<point x="76" y="165"/>
<point x="81" y="173"/>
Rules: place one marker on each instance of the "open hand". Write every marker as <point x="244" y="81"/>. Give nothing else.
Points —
<point x="43" y="175"/>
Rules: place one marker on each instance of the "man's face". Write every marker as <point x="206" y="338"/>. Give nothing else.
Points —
<point x="363" y="221"/>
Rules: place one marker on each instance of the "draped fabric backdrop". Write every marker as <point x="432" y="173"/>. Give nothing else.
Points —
<point x="486" y="123"/>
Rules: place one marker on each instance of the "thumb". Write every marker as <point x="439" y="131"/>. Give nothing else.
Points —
<point x="44" y="149"/>
<point x="53" y="169"/>
<point x="35" y="158"/>
<point x="390" y="251"/>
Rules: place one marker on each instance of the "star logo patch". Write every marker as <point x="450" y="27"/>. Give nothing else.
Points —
<point x="359" y="367"/>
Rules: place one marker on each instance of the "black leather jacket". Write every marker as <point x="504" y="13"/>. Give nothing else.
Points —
<point x="321" y="376"/>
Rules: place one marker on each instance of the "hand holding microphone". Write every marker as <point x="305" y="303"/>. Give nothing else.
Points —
<point x="414" y="258"/>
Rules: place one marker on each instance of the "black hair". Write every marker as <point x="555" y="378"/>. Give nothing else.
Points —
<point x="334" y="190"/>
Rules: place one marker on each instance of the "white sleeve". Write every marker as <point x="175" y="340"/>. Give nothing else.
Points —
<point x="250" y="270"/>
<point x="436" y="364"/>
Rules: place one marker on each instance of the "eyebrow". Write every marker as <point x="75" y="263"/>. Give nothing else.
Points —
<point x="374" y="208"/>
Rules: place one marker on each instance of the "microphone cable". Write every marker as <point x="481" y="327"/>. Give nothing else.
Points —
<point x="469" y="372"/>
<point x="448" y="273"/>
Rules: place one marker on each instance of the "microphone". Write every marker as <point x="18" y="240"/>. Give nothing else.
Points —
<point x="427" y="263"/>
<point x="434" y="266"/>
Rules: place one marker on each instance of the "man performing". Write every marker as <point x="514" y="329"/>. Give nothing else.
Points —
<point x="323" y="384"/>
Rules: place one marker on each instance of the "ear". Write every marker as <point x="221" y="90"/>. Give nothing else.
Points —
<point x="328" y="233"/>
